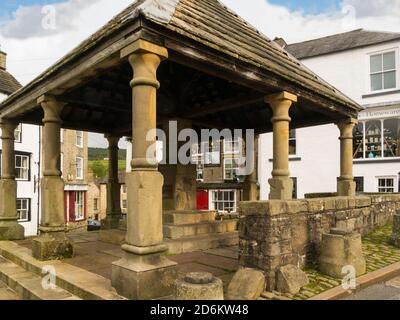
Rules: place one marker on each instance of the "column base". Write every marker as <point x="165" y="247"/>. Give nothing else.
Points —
<point x="144" y="277"/>
<point x="281" y="188"/>
<point x="111" y="222"/>
<point x="346" y="188"/>
<point x="11" y="230"/>
<point x="52" y="246"/>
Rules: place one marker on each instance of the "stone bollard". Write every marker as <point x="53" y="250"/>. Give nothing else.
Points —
<point x="199" y="286"/>
<point x="341" y="248"/>
<point x="396" y="229"/>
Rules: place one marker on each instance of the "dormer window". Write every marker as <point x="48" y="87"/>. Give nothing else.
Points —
<point x="383" y="71"/>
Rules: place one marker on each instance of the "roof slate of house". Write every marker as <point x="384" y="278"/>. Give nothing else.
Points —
<point x="212" y="24"/>
<point x="340" y="42"/>
<point x="8" y="84"/>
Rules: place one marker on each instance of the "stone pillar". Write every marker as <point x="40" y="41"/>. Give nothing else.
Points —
<point x="339" y="249"/>
<point x="113" y="212"/>
<point x="281" y="184"/>
<point x="250" y="188"/>
<point x="144" y="272"/>
<point x="52" y="244"/>
<point x="180" y="184"/>
<point x="9" y="227"/>
<point x="396" y="229"/>
<point x="346" y="185"/>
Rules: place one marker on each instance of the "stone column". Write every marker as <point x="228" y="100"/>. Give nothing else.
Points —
<point x="346" y="185"/>
<point x="281" y="184"/>
<point x="250" y="188"/>
<point x="144" y="272"/>
<point x="52" y="244"/>
<point x="9" y="227"/>
<point x="113" y="186"/>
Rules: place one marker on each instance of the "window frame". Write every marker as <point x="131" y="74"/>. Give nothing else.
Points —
<point x="397" y="70"/>
<point x="233" y="159"/>
<point x="295" y="141"/>
<point x="76" y="139"/>
<point x="79" y="195"/>
<point x="395" y="181"/>
<point x="19" y="130"/>
<point x="28" y="171"/>
<point x="80" y="177"/>
<point x="213" y="202"/>
<point x="28" y="209"/>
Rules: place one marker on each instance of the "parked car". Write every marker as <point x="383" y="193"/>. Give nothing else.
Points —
<point x="93" y="225"/>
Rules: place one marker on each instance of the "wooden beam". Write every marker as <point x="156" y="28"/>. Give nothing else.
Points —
<point x="228" y="104"/>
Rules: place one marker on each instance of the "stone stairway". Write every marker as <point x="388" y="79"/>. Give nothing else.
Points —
<point x="24" y="274"/>
<point x="188" y="231"/>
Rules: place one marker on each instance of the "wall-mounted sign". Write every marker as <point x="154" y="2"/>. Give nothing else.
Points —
<point x="393" y="112"/>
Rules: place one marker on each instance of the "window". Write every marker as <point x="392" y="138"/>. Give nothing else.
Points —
<point x="232" y="146"/>
<point x="292" y="143"/>
<point x="359" y="184"/>
<point x="231" y="167"/>
<point x="224" y="201"/>
<point x="377" y="139"/>
<point x="386" y="185"/>
<point x="95" y="204"/>
<point x="198" y="160"/>
<point x="79" y="206"/>
<point x="79" y="139"/>
<point x="124" y="190"/>
<point x="18" y="134"/>
<point x="79" y="168"/>
<point x="213" y="153"/>
<point x="124" y="204"/>
<point x="383" y="71"/>
<point x="24" y="210"/>
<point x="22" y="167"/>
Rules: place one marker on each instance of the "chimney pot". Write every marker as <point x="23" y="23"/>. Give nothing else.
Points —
<point x="3" y="60"/>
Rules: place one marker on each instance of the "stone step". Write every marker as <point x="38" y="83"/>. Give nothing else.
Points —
<point x="203" y="242"/>
<point x="28" y="286"/>
<point x="173" y="231"/>
<point x="188" y="217"/>
<point x="79" y="282"/>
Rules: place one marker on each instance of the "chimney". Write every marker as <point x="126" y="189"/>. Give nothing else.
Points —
<point x="3" y="60"/>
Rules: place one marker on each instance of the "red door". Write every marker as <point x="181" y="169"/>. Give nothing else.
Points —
<point x="202" y="200"/>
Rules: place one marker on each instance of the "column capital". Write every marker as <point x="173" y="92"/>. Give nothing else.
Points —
<point x="144" y="46"/>
<point x="280" y="104"/>
<point x="7" y="129"/>
<point x="346" y="127"/>
<point x="113" y="140"/>
<point x="280" y="96"/>
<point x="52" y="108"/>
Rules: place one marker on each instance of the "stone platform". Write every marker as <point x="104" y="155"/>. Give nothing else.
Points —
<point x="88" y="274"/>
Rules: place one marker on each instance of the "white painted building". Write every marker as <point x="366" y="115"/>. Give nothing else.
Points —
<point x="26" y="159"/>
<point x="365" y="65"/>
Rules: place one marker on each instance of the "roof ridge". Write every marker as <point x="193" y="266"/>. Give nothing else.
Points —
<point x="325" y="37"/>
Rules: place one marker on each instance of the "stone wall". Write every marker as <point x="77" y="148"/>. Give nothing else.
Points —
<point x="276" y="233"/>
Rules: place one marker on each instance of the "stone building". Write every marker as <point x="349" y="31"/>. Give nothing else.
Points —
<point x="74" y="168"/>
<point x="209" y="73"/>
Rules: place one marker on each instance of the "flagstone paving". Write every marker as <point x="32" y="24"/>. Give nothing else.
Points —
<point x="6" y="293"/>
<point x="378" y="251"/>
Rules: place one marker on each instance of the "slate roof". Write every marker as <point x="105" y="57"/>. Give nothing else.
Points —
<point x="340" y="42"/>
<point x="212" y="24"/>
<point x="8" y="84"/>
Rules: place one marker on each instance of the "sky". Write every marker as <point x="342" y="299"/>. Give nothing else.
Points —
<point x="36" y="33"/>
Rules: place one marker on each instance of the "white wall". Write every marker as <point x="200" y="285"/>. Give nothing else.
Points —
<point x="318" y="147"/>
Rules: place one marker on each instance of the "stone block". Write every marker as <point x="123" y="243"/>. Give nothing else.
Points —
<point x="362" y="202"/>
<point x="396" y="230"/>
<point x="281" y="188"/>
<point x="346" y="188"/>
<point x="291" y="279"/>
<point x="144" y="277"/>
<point x="340" y="249"/>
<point x="52" y="246"/>
<point x="316" y="205"/>
<point x="201" y="286"/>
<point x="342" y="203"/>
<point x="246" y="284"/>
<point x="296" y="206"/>
<point x="11" y="230"/>
<point x="111" y="222"/>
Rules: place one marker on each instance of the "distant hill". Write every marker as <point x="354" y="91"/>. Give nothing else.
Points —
<point x="101" y="154"/>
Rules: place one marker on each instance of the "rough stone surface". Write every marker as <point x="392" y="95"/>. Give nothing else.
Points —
<point x="291" y="279"/>
<point x="11" y="231"/>
<point x="276" y="233"/>
<point x="247" y="284"/>
<point x="199" y="286"/>
<point x="341" y="250"/>
<point x="52" y="246"/>
<point x="396" y="230"/>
